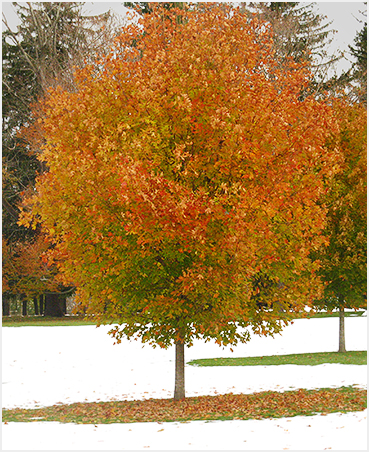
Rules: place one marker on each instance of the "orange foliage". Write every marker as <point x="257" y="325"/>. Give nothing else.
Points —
<point x="25" y="268"/>
<point x="182" y="168"/>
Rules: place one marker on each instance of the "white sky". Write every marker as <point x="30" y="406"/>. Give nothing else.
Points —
<point x="344" y="15"/>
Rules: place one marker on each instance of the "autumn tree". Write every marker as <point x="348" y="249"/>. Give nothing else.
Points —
<point x="27" y="275"/>
<point x="180" y="170"/>
<point x="344" y="269"/>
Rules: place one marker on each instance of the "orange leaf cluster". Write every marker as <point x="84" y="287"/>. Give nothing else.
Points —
<point x="229" y="406"/>
<point x="26" y="270"/>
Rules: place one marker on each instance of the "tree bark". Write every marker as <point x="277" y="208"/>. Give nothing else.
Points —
<point x="24" y="307"/>
<point x="35" y="303"/>
<point x="64" y="305"/>
<point x="6" y="306"/>
<point x="54" y="306"/>
<point x="342" y="346"/>
<point x="42" y="304"/>
<point x="179" y="390"/>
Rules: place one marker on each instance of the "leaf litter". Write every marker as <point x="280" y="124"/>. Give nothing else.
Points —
<point x="269" y="404"/>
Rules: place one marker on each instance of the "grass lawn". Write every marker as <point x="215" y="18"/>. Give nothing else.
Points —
<point x="80" y="320"/>
<point x="302" y="359"/>
<point x="221" y="407"/>
<point x="46" y="321"/>
<point x="324" y="315"/>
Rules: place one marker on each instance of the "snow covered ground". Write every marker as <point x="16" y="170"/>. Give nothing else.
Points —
<point x="47" y="365"/>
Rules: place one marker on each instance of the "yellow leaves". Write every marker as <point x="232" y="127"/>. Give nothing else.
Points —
<point x="26" y="219"/>
<point x="27" y="268"/>
<point x="179" y="153"/>
<point x="184" y="102"/>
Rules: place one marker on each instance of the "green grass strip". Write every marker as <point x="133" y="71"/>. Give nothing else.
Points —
<point x="325" y="315"/>
<point x="302" y="359"/>
<point x="80" y="320"/>
<point x="18" y="321"/>
<point x="261" y="405"/>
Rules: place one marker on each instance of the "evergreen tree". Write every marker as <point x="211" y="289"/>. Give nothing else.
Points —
<point x="51" y="38"/>
<point x="359" y="67"/>
<point x="300" y="33"/>
<point x="20" y="89"/>
<point x="147" y="8"/>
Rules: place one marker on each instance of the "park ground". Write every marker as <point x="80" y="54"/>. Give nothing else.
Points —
<point x="45" y="366"/>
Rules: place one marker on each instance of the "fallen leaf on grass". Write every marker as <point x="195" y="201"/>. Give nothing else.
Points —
<point x="221" y="407"/>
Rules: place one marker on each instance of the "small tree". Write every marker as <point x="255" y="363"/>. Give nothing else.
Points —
<point x="26" y="273"/>
<point x="344" y="260"/>
<point x="180" y="170"/>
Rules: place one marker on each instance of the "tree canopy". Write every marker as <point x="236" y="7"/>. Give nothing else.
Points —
<point x="344" y="260"/>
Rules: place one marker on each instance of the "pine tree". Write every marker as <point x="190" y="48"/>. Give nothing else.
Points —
<point x="359" y="67"/>
<point x="299" y="33"/>
<point x="51" y="37"/>
<point x="147" y="7"/>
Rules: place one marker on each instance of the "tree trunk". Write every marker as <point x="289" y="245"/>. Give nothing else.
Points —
<point x="342" y="347"/>
<point x="6" y="306"/>
<point x="42" y="307"/>
<point x="24" y="307"/>
<point x="64" y="304"/>
<point x="35" y="303"/>
<point x="179" y="390"/>
<point x="53" y="305"/>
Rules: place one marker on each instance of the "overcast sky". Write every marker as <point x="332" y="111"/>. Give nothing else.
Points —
<point x="345" y="18"/>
